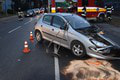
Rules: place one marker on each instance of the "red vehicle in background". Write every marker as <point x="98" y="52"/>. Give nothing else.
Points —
<point x="94" y="8"/>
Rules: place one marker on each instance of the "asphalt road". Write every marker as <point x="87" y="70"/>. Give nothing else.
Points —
<point x="15" y="65"/>
<point x="37" y="65"/>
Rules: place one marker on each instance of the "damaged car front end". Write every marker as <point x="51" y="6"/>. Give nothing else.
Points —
<point x="103" y="48"/>
<point x="94" y="40"/>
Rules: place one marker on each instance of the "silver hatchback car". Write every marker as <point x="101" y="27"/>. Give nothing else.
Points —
<point x="75" y="33"/>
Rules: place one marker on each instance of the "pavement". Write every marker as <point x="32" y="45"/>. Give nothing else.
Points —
<point x="37" y="65"/>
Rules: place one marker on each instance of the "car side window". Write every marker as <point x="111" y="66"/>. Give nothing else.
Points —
<point x="47" y="19"/>
<point x="58" y="22"/>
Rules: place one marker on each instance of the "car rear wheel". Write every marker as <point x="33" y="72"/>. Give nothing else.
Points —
<point x="38" y="36"/>
<point x="78" y="49"/>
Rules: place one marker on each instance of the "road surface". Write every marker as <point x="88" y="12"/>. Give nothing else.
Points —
<point x="37" y="65"/>
<point x="14" y="64"/>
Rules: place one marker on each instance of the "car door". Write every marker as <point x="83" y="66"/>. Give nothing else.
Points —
<point x="59" y="35"/>
<point x="46" y="27"/>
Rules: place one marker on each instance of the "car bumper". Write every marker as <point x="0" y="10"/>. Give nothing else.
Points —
<point x="111" y="53"/>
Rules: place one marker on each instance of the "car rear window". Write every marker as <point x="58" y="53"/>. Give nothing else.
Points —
<point x="47" y="19"/>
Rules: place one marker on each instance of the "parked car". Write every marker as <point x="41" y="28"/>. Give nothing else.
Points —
<point x="36" y="10"/>
<point x="42" y="10"/>
<point x="29" y="13"/>
<point x="75" y="33"/>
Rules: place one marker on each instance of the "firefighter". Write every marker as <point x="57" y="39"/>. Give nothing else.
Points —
<point x="83" y="14"/>
<point x="20" y="14"/>
<point x="109" y="9"/>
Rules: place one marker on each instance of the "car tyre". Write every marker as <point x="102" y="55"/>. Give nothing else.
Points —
<point x="101" y="18"/>
<point x="78" y="49"/>
<point x="38" y="36"/>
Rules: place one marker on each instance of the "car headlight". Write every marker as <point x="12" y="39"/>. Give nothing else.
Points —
<point x="98" y="44"/>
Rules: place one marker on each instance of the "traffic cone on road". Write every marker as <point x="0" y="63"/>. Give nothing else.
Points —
<point x="31" y="36"/>
<point x="26" y="49"/>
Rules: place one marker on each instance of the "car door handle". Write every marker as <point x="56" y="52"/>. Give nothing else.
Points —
<point x="52" y="29"/>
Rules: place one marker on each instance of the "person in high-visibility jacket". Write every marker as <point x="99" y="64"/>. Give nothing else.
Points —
<point x="109" y="9"/>
<point x="83" y="14"/>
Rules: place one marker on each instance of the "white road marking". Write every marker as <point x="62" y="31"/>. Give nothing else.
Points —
<point x="56" y="63"/>
<point x="14" y="29"/>
<point x="28" y="21"/>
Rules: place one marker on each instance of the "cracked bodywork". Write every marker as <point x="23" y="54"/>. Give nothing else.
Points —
<point x="110" y="51"/>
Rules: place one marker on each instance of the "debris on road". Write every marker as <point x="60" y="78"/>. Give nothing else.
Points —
<point x="91" y="69"/>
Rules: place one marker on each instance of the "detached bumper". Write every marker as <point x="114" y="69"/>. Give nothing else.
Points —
<point x="113" y="54"/>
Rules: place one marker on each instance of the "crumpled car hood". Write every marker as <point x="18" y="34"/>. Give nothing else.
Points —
<point x="94" y="33"/>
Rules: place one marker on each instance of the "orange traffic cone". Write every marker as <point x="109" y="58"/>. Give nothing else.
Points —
<point x="31" y="36"/>
<point x="26" y="49"/>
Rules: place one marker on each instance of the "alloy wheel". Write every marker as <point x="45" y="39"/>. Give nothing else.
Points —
<point x="77" y="50"/>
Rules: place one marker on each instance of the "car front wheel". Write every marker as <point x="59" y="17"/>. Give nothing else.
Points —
<point x="38" y="36"/>
<point x="78" y="49"/>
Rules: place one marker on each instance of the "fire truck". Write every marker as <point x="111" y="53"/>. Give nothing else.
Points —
<point x="94" y="8"/>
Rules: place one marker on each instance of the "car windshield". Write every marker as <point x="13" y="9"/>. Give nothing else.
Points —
<point x="77" y="22"/>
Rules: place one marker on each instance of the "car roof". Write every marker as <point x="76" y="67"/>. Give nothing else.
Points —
<point x="59" y="14"/>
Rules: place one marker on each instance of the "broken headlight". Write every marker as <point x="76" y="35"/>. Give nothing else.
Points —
<point x="100" y="47"/>
<point x="98" y="44"/>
